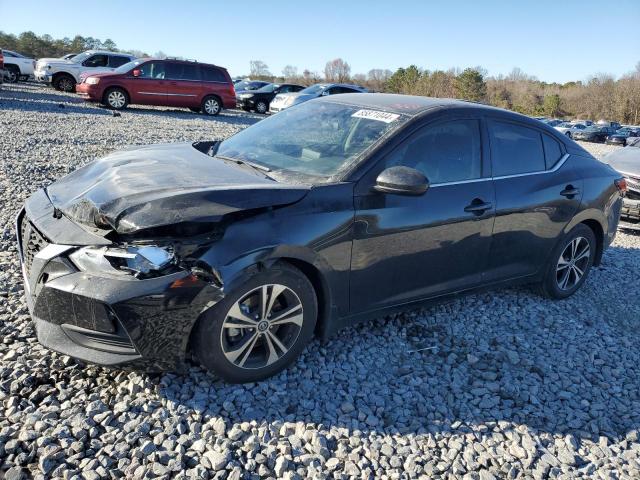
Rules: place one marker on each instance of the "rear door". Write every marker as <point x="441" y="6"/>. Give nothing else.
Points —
<point x="150" y="87"/>
<point x="184" y="85"/>
<point x="537" y="194"/>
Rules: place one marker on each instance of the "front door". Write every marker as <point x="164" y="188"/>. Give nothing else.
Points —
<point x="150" y="87"/>
<point x="412" y="247"/>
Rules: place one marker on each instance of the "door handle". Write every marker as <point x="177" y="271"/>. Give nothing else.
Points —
<point x="570" y="191"/>
<point x="478" y="206"/>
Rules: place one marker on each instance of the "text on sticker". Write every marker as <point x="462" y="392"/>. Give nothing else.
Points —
<point x="385" y="117"/>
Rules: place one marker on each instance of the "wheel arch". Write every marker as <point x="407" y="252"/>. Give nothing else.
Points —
<point x="597" y="222"/>
<point x="116" y="86"/>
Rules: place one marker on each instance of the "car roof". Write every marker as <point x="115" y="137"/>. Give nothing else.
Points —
<point x="107" y="52"/>
<point x="148" y="59"/>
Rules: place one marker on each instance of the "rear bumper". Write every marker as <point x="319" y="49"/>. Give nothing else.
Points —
<point x="105" y="320"/>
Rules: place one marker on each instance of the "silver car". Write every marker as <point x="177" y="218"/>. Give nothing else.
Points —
<point x="285" y="100"/>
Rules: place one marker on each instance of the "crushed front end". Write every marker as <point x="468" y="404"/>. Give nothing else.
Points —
<point x="630" y="212"/>
<point x="103" y="318"/>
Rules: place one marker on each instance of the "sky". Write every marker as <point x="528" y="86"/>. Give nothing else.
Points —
<point x="554" y="40"/>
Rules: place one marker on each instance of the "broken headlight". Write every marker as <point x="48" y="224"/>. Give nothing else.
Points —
<point x="139" y="261"/>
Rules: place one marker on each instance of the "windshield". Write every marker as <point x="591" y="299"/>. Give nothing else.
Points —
<point x="316" y="138"/>
<point x="81" y="57"/>
<point x="564" y="125"/>
<point x="249" y="85"/>
<point x="313" y="89"/>
<point x="268" y="88"/>
<point x="128" y="66"/>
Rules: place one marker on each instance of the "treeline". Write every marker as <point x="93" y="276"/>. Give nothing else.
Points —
<point x="600" y="97"/>
<point x="34" y="46"/>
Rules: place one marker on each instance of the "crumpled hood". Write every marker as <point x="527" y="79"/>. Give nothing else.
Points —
<point x="157" y="185"/>
<point x="625" y="160"/>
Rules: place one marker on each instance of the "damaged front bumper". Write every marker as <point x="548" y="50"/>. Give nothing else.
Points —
<point x="103" y="319"/>
<point x="630" y="211"/>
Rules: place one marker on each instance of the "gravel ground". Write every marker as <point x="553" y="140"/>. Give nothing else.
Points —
<point x="496" y="385"/>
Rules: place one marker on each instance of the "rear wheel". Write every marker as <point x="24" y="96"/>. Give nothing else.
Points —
<point x="11" y="73"/>
<point x="570" y="263"/>
<point x="211" y="106"/>
<point x="116" y="98"/>
<point x="64" y="82"/>
<point x="260" y="328"/>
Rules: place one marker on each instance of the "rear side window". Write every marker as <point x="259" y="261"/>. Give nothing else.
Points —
<point x="445" y="152"/>
<point x="515" y="149"/>
<point x="552" y="151"/>
<point x="182" y="71"/>
<point x="212" y="74"/>
<point x="116" y="61"/>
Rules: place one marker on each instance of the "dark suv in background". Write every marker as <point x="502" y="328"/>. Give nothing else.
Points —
<point x="259" y="100"/>
<point x="200" y="87"/>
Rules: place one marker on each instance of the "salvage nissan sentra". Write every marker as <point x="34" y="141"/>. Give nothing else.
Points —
<point x="340" y="209"/>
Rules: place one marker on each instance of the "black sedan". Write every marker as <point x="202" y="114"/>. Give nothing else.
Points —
<point x="594" y="133"/>
<point x="259" y="100"/>
<point x="334" y="211"/>
<point x="621" y="136"/>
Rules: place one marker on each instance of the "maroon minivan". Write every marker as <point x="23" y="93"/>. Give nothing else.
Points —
<point x="200" y="87"/>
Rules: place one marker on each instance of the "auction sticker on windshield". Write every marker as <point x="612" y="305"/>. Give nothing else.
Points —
<point x="385" y="117"/>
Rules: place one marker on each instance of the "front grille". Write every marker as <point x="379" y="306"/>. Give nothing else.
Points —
<point x="32" y="242"/>
<point x="633" y="187"/>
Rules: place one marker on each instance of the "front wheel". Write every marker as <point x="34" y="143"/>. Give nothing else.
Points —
<point x="11" y="73"/>
<point x="262" y="107"/>
<point x="570" y="263"/>
<point x="65" y="83"/>
<point x="260" y="328"/>
<point x="116" y="98"/>
<point x="211" y="106"/>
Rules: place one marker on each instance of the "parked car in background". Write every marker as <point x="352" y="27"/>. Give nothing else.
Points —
<point x="285" y="100"/>
<point x="249" y="85"/>
<point x="64" y="74"/>
<point x="606" y="123"/>
<point x="238" y="252"/>
<point x="594" y="133"/>
<point x="586" y="123"/>
<point x="259" y="100"/>
<point x="568" y="129"/>
<point x="627" y="162"/>
<point x="552" y="122"/>
<point x="621" y="136"/>
<point x="200" y="87"/>
<point x="1" y="66"/>
<point x="17" y="66"/>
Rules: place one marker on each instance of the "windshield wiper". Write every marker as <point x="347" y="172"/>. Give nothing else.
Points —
<point x="256" y="166"/>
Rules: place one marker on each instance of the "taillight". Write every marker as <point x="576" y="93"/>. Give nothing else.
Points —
<point x="621" y="185"/>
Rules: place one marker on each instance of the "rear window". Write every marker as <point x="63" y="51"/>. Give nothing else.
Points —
<point x="552" y="151"/>
<point x="212" y="74"/>
<point x="515" y="149"/>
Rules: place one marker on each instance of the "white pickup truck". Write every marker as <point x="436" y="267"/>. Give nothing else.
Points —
<point x="64" y="74"/>
<point x="17" y="67"/>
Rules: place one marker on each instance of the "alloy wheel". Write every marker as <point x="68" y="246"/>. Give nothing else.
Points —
<point x="116" y="99"/>
<point x="211" y="106"/>
<point x="262" y="326"/>
<point x="573" y="263"/>
<point x="11" y="75"/>
<point x="65" y="85"/>
<point x="261" y="107"/>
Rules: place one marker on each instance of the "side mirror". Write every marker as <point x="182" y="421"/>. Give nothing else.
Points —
<point x="137" y="72"/>
<point x="401" y="181"/>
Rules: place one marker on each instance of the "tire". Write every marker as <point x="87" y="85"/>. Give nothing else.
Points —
<point x="115" y="99"/>
<point x="562" y="278"/>
<point x="250" y="348"/>
<point x="64" y="82"/>
<point x="194" y="109"/>
<point x="11" y="73"/>
<point x="211" y="105"/>
<point x="262" y="107"/>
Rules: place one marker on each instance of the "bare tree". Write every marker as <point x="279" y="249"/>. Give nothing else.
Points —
<point x="337" y="70"/>
<point x="377" y="78"/>
<point x="290" y="73"/>
<point x="258" y="68"/>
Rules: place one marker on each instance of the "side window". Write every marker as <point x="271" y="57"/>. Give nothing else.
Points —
<point x="552" y="151"/>
<point x="152" y="70"/>
<point x="96" y="61"/>
<point x="445" y="152"/>
<point x="284" y="89"/>
<point x="182" y="71"/>
<point x="116" y="61"/>
<point x="296" y="88"/>
<point x="212" y="74"/>
<point x="515" y="149"/>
